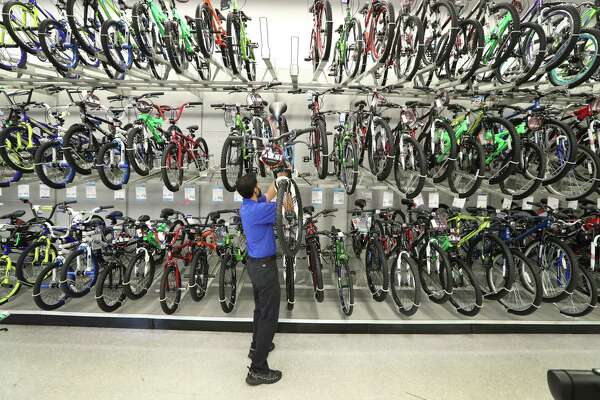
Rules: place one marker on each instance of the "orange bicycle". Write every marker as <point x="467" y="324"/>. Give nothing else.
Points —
<point x="210" y="31"/>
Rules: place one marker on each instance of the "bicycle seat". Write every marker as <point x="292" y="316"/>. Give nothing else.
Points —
<point x="167" y="212"/>
<point x="360" y="203"/>
<point x="308" y="209"/>
<point x="144" y="218"/>
<point x="13" y="215"/>
<point x="192" y="128"/>
<point x="278" y="108"/>
<point x="114" y="216"/>
<point x="360" y="103"/>
<point x="236" y="219"/>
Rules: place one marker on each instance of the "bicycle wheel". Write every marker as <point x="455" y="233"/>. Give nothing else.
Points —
<point x="350" y="62"/>
<point x="145" y="29"/>
<point x="227" y="283"/>
<point x="33" y="260"/>
<point x="409" y="166"/>
<point x="529" y="173"/>
<point x="110" y="290"/>
<point x="319" y="148"/>
<point x="19" y="20"/>
<point x="525" y="59"/>
<point x="12" y="56"/>
<point x="16" y="150"/>
<point x="170" y="289"/>
<point x="502" y="146"/>
<point x="314" y="266"/>
<point x="140" y="152"/>
<point x="562" y="25"/>
<point x="8" y="175"/>
<point x="582" y="179"/>
<point x="405" y="283"/>
<point x="139" y="275"/>
<point x="51" y="166"/>
<point x="441" y="28"/>
<point x="468" y="173"/>
<point x="201" y="153"/>
<point x="289" y="223"/>
<point x="115" y="39"/>
<point x="491" y="265"/>
<point x="380" y="149"/>
<point x="233" y="43"/>
<point x="376" y="269"/>
<point x="436" y="278"/>
<point x="80" y="147"/>
<point x="84" y="21"/>
<point x="112" y="165"/>
<point x="289" y="269"/>
<point x="199" y="275"/>
<point x="9" y="283"/>
<point x="171" y="167"/>
<point x="175" y="46"/>
<point x="582" y="62"/>
<point x="349" y="167"/>
<point x="440" y="150"/>
<point x="584" y="298"/>
<point x="47" y="293"/>
<point x="322" y="37"/>
<point x="558" y="266"/>
<point x="466" y="51"/>
<point x="78" y="274"/>
<point x="558" y="142"/>
<point x="231" y="162"/>
<point x="501" y="42"/>
<point x="204" y="31"/>
<point x="525" y="295"/>
<point x="58" y="45"/>
<point x="409" y="47"/>
<point x="382" y="29"/>
<point x="345" y="288"/>
<point x="466" y="294"/>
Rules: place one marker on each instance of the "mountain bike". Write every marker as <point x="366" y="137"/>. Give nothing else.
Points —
<point x="344" y="155"/>
<point x="380" y="25"/>
<point x="408" y="47"/>
<point x="348" y="48"/>
<point x="210" y="31"/>
<point x="239" y="45"/>
<point x="181" y="148"/>
<point x="321" y="34"/>
<point x="148" y="19"/>
<point x="339" y="259"/>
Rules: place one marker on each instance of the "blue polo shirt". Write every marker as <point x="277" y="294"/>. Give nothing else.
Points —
<point x="258" y="218"/>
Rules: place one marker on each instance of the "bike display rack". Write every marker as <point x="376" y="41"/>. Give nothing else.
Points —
<point x="265" y="49"/>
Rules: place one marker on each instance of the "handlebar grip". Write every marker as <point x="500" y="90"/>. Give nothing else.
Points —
<point x="297" y="132"/>
<point x="117" y="97"/>
<point x="217" y="105"/>
<point x="106" y="207"/>
<point x="67" y="202"/>
<point x="330" y="210"/>
<point x="272" y="84"/>
<point x="155" y="93"/>
<point x="195" y="103"/>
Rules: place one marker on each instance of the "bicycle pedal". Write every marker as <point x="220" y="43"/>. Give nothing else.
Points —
<point x="305" y="159"/>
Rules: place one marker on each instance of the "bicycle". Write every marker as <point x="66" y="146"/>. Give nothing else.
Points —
<point x="181" y="148"/>
<point x="344" y="155"/>
<point x="380" y="25"/>
<point x="338" y="258"/>
<point x="321" y="34"/>
<point x="239" y="45"/>
<point x="313" y="248"/>
<point x="210" y="32"/>
<point x="348" y="48"/>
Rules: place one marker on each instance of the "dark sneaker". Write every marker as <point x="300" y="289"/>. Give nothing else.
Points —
<point x="267" y="377"/>
<point x="251" y="352"/>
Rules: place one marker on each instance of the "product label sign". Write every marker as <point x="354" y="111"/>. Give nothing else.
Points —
<point x="527" y="203"/>
<point x="23" y="191"/>
<point x="338" y="197"/>
<point x="458" y="202"/>
<point x="418" y="200"/>
<point x="317" y="196"/>
<point x="140" y="192"/>
<point x="506" y="203"/>
<point x="119" y="194"/>
<point x="167" y="195"/>
<point x="190" y="193"/>
<point x="572" y="204"/>
<point x="44" y="191"/>
<point x="90" y="190"/>
<point x="553" y="202"/>
<point x="388" y="199"/>
<point x="482" y="201"/>
<point x="71" y="193"/>
<point x="217" y="195"/>
<point x="237" y="197"/>
<point x="434" y="200"/>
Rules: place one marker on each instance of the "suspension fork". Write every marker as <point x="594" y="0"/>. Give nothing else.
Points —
<point x="9" y="266"/>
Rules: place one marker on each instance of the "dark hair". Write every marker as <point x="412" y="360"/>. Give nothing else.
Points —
<point x="246" y="185"/>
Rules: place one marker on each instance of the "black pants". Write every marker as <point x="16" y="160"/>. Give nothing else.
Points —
<point x="265" y="282"/>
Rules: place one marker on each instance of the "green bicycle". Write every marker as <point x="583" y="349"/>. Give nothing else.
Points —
<point x="339" y="259"/>
<point x="239" y="45"/>
<point x="231" y="247"/>
<point x="344" y="155"/>
<point x="348" y="48"/>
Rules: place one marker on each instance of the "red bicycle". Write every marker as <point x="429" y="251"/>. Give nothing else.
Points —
<point x="380" y="25"/>
<point x="182" y="149"/>
<point x="320" y="37"/>
<point x="209" y="21"/>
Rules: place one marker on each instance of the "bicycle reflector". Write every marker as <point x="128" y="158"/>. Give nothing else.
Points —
<point x="271" y="157"/>
<point x="534" y="123"/>
<point x="408" y="117"/>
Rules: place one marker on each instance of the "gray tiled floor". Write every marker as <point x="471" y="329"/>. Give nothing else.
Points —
<point x="90" y="364"/>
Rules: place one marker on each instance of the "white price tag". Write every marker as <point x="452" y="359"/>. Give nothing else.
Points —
<point x="526" y="205"/>
<point x="90" y="190"/>
<point x="482" y="201"/>
<point x="388" y="199"/>
<point x="506" y="203"/>
<point x="434" y="200"/>
<point x="44" y="191"/>
<point x="597" y="201"/>
<point x="71" y="192"/>
<point x="140" y="192"/>
<point x="23" y="191"/>
<point x="458" y="202"/>
<point x="119" y="194"/>
<point x="338" y="197"/>
<point x="553" y="203"/>
<point x="572" y="204"/>
<point x="418" y="200"/>
<point x="237" y="197"/>
<point x="0" y="191"/>
<point x="217" y="195"/>
<point x="190" y="193"/>
<point x="317" y="196"/>
<point x="167" y="195"/>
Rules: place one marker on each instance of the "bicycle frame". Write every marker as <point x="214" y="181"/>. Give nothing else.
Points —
<point x="216" y="25"/>
<point x="463" y="126"/>
<point x="490" y="41"/>
<point x="483" y="225"/>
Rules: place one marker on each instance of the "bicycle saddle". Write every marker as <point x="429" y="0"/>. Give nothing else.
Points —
<point x="278" y="108"/>
<point x="308" y="209"/>
<point x="192" y="128"/>
<point x="360" y="203"/>
<point x="144" y="218"/>
<point x="13" y="215"/>
<point x="114" y="216"/>
<point x="167" y="212"/>
<point x="360" y="103"/>
<point x="236" y="219"/>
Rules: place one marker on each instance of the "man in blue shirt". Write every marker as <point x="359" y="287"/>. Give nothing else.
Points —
<point x="258" y="217"/>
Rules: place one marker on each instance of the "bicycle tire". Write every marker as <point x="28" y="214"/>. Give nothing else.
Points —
<point x="470" y="31"/>
<point x="139" y="15"/>
<point x="81" y="158"/>
<point x="513" y="33"/>
<point x="136" y="288"/>
<point x="141" y="158"/>
<point x="349" y="166"/>
<point x="566" y="46"/>
<point x="79" y="29"/>
<point x="496" y="282"/>
<point x="114" y="283"/>
<point x="233" y="33"/>
<point x="389" y="31"/>
<point x="526" y="39"/>
<point x="258" y="131"/>
<point x="31" y="47"/>
<point x="592" y="35"/>
<point x="507" y="161"/>
<point x="45" y="282"/>
<point x="227" y="300"/>
<point x="289" y="266"/>
<point x="382" y="165"/>
<point x="320" y="151"/>
<point x="65" y="170"/>
<point x="461" y="277"/>
<point x="437" y="285"/>
<point x="171" y="153"/>
<point x="586" y="162"/>
<point x="289" y="247"/>
<point x="352" y="69"/>
<point x="117" y="61"/>
<point x="440" y="54"/>
<point x="22" y="161"/>
<point x="344" y="278"/>
<point x="587" y="293"/>
<point x="400" y="262"/>
<point x="199" y="275"/>
<point x="527" y="286"/>
<point x="414" y="161"/>
<point x="470" y="164"/>
<point x="104" y="165"/>
<point x="74" y="288"/>
<point x="431" y="152"/>
<point x="416" y="49"/>
<point x="175" y="48"/>
<point x="170" y="282"/>
<point x="314" y="266"/>
<point x="12" y="62"/>
<point x="374" y="251"/>
<point x="26" y="277"/>
<point x="226" y="154"/>
<point x="205" y="39"/>
<point x="201" y="151"/>
<point x="570" y="153"/>
<point x="530" y="151"/>
<point x="45" y="29"/>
